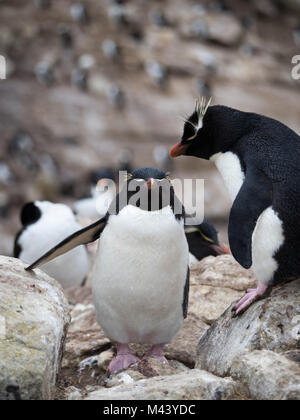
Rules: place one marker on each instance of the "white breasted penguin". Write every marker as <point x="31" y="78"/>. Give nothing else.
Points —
<point x="44" y="225"/>
<point x="141" y="272"/>
<point x="203" y="242"/>
<point x="259" y="159"/>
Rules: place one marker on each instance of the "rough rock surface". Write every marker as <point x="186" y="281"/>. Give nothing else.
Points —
<point x="34" y="316"/>
<point x="270" y="324"/>
<point x="192" y="385"/>
<point x="268" y="375"/>
<point x="215" y="284"/>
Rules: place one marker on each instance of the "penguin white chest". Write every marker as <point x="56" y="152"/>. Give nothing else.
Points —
<point x="139" y="276"/>
<point x="268" y="235"/>
<point x="229" y="166"/>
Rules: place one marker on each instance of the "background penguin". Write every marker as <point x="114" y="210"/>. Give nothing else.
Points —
<point x="203" y="241"/>
<point x="102" y="194"/>
<point x="259" y="159"/>
<point x="45" y="224"/>
<point x="141" y="273"/>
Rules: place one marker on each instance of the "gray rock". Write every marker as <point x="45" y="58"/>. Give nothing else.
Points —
<point x="270" y="324"/>
<point x="34" y="317"/>
<point x="191" y="385"/>
<point x="268" y="375"/>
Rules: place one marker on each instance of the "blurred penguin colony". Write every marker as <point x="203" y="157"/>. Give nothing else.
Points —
<point x="93" y="88"/>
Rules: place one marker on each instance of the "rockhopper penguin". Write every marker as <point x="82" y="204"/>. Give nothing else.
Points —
<point x="203" y="242"/>
<point x="259" y="159"/>
<point x="141" y="273"/>
<point x="44" y="225"/>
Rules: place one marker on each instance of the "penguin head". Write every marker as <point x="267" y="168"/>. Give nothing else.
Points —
<point x="203" y="241"/>
<point x="103" y="173"/>
<point x="209" y="130"/>
<point x="34" y="211"/>
<point x="30" y="214"/>
<point x="101" y="180"/>
<point x="150" y="189"/>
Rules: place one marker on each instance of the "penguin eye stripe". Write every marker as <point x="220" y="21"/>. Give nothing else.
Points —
<point x="191" y="138"/>
<point x="206" y="237"/>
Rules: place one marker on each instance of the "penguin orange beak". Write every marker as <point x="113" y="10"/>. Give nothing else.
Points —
<point x="178" y="150"/>
<point x="221" y="249"/>
<point x="151" y="183"/>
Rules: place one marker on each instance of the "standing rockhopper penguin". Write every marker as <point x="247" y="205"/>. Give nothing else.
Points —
<point x="259" y="159"/>
<point x="141" y="273"/>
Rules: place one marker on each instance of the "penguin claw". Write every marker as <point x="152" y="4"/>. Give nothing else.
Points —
<point x="250" y="297"/>
<point x="122" y="362"/>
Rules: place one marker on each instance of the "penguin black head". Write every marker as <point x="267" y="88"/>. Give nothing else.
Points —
<point x="104" y="173"/>
<point x="210" y="130"/>
<point x="30" y="214"/>
<point x="203" y="241"/>
<point x="150" y="189"/>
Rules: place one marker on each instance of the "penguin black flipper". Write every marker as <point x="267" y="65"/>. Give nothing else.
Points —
<point x="186" y="291"/>
<point x="253" y="198"/>
<point x="84" y="236"/>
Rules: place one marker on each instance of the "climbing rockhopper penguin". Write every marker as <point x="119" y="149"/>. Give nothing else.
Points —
<point x="141" y="273"/>
<point x="203" y="242"/>
<point x="259" y="159"/>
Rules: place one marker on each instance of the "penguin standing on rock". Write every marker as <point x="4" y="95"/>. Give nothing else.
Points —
<point x="45" y="224"/>
<point x="203" y="241"/>
<point x="259" y="159"/>
<point x="141" y="272"/>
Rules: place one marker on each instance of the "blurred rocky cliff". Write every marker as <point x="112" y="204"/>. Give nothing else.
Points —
<point x="87" y="79"/>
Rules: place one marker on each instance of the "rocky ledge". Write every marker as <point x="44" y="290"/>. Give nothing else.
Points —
<point x="34" y="316"/>
<point x="224" y="366"/>
<point x="254" y="356"/>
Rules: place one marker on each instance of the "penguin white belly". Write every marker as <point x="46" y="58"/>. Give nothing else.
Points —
<point x="69" y="269"/>
<point x="139" y="276"/>
<point x="230" y="168"/>
<point x="94" y="207"/>
<point x="267" y="238"/>
<point x="268" y="235"/>
<point x="192" y="260"/>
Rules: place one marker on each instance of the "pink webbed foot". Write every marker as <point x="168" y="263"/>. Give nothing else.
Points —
<point x="156" y="352"/>
<point x="251" y="296"/>
<point x="124" y="358"/>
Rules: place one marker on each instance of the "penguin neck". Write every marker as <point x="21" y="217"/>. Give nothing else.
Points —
<point x="223" y="127"/>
